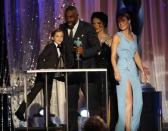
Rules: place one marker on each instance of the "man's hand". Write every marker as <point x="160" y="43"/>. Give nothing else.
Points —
<point x="79" y="50"/>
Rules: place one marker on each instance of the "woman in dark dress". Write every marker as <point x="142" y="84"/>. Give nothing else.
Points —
<point x="100" y="21"/>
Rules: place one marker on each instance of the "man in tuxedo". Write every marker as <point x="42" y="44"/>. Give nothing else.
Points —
<point x="83" y="45"/>
<point x="52" y="57"/>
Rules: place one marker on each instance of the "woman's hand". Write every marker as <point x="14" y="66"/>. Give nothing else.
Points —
<point x="146" y="70"/>
<point x="117" y="75"/>
<point x="143" y="77"/>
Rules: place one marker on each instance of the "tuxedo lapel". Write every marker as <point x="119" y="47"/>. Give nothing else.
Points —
<point x="66" y="33"/>
<point x="65" y="30"/>
<point x="79" y="30"/>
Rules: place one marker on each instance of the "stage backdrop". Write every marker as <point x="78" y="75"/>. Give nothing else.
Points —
<point x="29" y="23"/>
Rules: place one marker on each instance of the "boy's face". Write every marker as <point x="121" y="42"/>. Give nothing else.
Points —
<point x="58" y="37"/>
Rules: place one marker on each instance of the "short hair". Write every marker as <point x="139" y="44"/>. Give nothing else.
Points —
<point x="95" y="123"/>
<point x="71" y="8"/>
<point x="101" y="16"/>
<point x="55" y="31"/>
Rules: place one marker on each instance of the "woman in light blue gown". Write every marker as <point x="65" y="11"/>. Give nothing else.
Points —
<point x="125" y="60"/>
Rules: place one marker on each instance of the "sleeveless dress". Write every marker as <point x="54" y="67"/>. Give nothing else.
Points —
<point x="128" y="72"/>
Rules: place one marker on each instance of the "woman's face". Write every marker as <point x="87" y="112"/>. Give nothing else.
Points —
<point x="123" y="23"/>
<point x="98" y="25"/>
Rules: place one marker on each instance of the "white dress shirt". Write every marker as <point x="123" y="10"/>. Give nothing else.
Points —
<point x="58" y="49"/>
<point x="74" y="28"/>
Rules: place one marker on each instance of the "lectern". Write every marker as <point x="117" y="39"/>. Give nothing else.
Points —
<point x="65" y="72"/>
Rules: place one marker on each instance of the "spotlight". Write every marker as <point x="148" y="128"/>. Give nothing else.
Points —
<point x="41" y="112"/>
<point x="84" y="112"/>
<point x="84" y="115"/>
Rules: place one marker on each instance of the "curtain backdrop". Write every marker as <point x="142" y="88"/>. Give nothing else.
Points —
<point x="29" y="23"/>
<point x="154" y="45"/>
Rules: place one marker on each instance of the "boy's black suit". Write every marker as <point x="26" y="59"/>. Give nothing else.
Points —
<point x="48" y="59"/>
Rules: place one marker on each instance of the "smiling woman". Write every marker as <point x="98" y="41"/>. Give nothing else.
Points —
<point x="99" y="21"/>
<point x="124" y="22"/>
<point x="125" y="60"/>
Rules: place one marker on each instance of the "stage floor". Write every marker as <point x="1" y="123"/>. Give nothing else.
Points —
<point x="40" y="129"/>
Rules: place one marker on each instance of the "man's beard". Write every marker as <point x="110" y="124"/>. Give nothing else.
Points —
<point x="70" y="25"/>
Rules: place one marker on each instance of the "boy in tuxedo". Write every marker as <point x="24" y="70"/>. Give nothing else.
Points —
<point x="50" y="58"/>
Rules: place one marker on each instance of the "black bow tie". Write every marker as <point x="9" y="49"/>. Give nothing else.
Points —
<point x="59" y="46"/>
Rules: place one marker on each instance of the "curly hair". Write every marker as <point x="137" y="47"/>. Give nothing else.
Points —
<point x="101" y="16"/>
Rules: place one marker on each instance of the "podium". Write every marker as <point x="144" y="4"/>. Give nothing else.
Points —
<point x="66" y="72"/>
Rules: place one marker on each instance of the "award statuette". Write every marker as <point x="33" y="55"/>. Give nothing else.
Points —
<point x="78" y="43"/>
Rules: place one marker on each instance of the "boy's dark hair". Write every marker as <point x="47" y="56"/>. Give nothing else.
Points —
<point x="55" y="31"/>
<point x="102" y="16"/>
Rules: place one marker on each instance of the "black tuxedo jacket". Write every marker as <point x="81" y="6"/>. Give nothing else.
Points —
<point x="48" y="57"/>
<point x="87" y="35"/>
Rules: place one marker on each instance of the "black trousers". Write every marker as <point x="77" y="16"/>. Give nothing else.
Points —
<point x="39" y="84"/>
<point x="75" y="82"/>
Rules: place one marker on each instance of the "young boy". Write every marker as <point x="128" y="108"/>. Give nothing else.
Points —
<point x="48" y="59"/>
